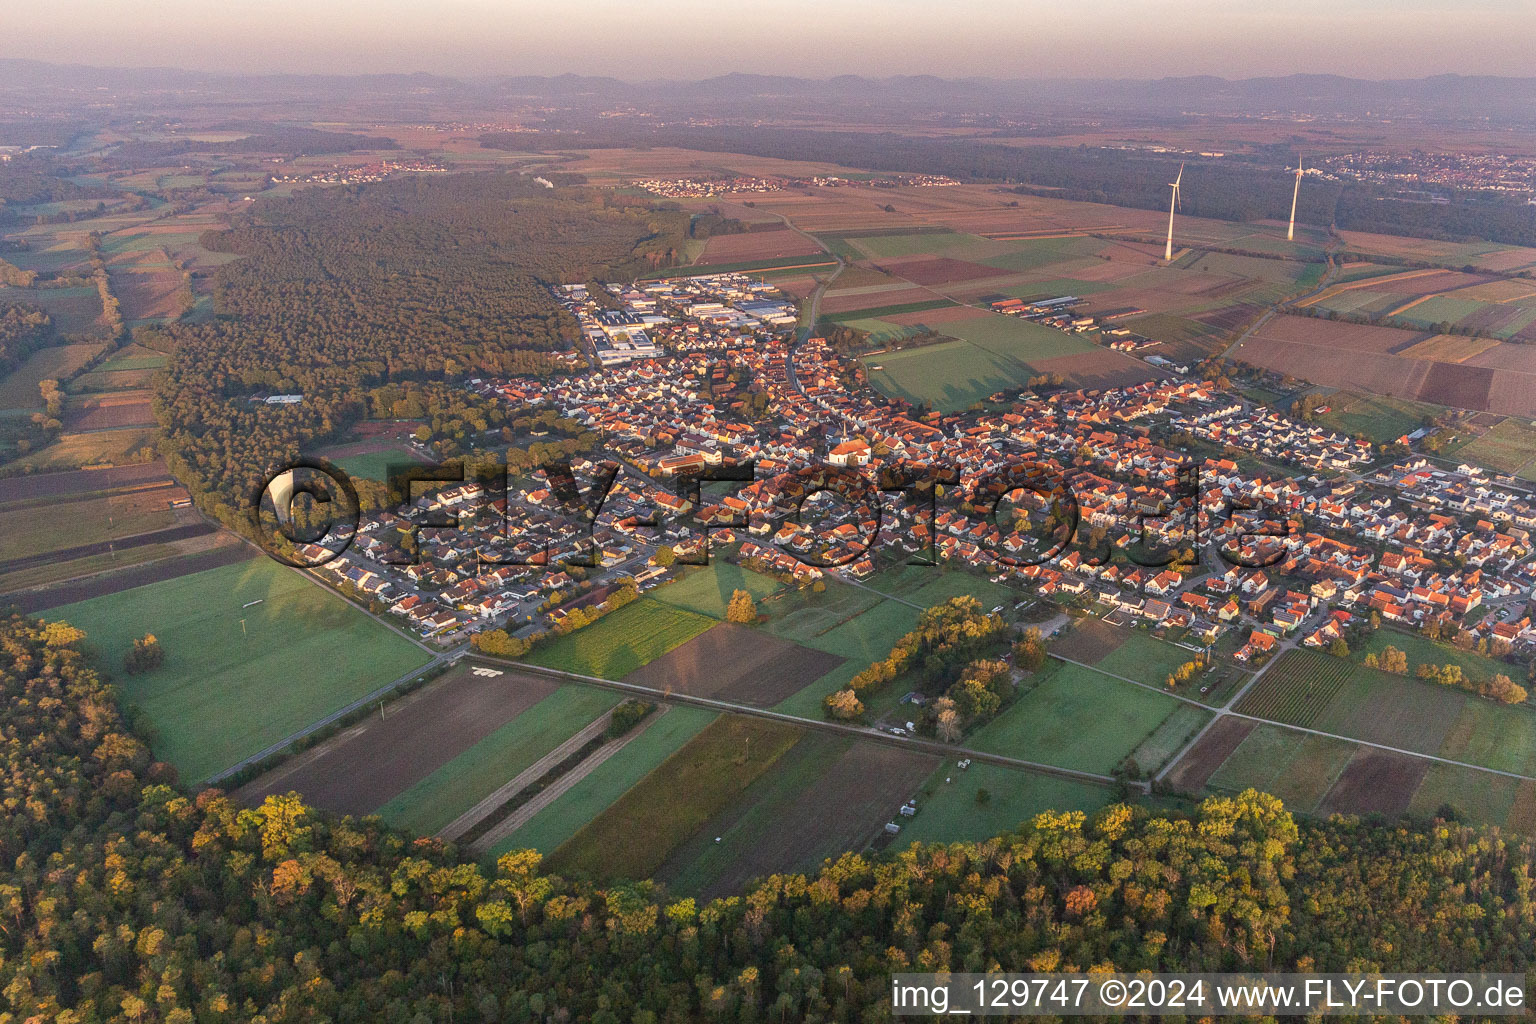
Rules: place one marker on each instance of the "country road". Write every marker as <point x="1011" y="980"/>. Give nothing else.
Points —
<point x="1269" y="314"/>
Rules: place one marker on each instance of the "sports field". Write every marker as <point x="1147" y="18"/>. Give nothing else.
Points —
<point x="1375" y="417"/>
<point x="239" y="676"/>
<point x="1076" y="718"/>
<point x="622" y="641"/>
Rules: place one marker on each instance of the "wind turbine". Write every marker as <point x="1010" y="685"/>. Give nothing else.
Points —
<point x="1172" y="205"/>
<point x="1290" y="234"/>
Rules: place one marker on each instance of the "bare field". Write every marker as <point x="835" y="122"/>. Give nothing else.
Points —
<point x="360" y="769"/>
<point x="1375" y="782"/>
<point x="1220" y="740"/>
<point x="753" y="245"/>
<point x="737" y="663"/>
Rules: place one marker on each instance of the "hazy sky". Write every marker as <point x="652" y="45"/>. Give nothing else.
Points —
<point x="695" y="38"/>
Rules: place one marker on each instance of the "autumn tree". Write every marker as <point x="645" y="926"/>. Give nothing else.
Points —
<point x="742" y="609"/>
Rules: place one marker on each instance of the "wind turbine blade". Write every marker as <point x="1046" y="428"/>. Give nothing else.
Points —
<point x="1180" y="177"/>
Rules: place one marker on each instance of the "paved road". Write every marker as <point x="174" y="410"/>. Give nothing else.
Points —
<point x="944" y="750"/>
<point x="810" y="323"/>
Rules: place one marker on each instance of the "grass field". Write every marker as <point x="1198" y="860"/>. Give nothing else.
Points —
<point x="226" y="692"/>
<point x="1294" y="766"/>
<point x="863" y="639"/>
<point x="1374" y="417"/>
<point x="19" y="390"/>
<point x="33" y="531"/>
<point x="1076" y="718"/>
<point x="1507" y="448"/>
<point x="707" y="590"/>
<point x="1421" y="651"/>
<point x="622" y="641"/>
<point x="375" y="465"/>
<point x="634" y="835"/>
<point x="469" y="778"/>
<point x="1169" y="737"/>
<point x="949" y="812"/>
<point x="990" y="354"/>
<point x="1145" y="658"/>
<point x="97" y="448"/>
<point x="583" y="802"/>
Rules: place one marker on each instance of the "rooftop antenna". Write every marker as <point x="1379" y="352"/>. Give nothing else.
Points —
<point x="1172" y="205"/>
<point x="1290" y="234"/>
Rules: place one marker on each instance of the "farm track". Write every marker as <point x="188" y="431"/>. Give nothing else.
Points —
<point x="520" y="817"/>
<point x="527" y="777"/>
<point x="165" y="536"/>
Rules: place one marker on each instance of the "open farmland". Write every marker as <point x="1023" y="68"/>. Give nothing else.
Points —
<point x="633" y="837"/>
<point x="40" y="529"/>
<point x="1076" y="718"/>
<point x="239" y="676"/>
<point x="75" y="310"/>
<point x="1299" y="768"/>
<point x="19" y="389"/>
<point x="660" y="736"/>
<point x="736" y="663"/>
<point x="359" y="770"/>
<point x="757" y="245"/>
<point x="826" y="795"/>
<point x="1375" y="359"/>
<point x="1297" y="687"/>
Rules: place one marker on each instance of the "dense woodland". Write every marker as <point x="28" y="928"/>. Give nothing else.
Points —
<point x="23" y="330"/>
<point x="341" y="291"/>
<point x="125" y="899"/>
<point x="290" y="141"/>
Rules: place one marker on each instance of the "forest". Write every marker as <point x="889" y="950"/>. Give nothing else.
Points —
<point x="342" y="291"/>
<point x="125" y="898"/>
<point x="23" y="330"/>
<point x="288" y="140"/>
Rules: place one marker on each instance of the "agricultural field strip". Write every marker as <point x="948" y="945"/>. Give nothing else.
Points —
<point x="527" y="777"/>
<point x="368" y="698"/>
<point x="861" y="731"/>
<point x="520" y="817"/>
<point x="1227" y="712"/>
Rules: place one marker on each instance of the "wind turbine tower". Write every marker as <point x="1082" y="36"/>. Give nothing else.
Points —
<point x="1172" y="205"/>
<point x="1290" y="234"/>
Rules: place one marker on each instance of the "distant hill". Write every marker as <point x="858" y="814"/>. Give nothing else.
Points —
<point x="1461" y="95"/>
